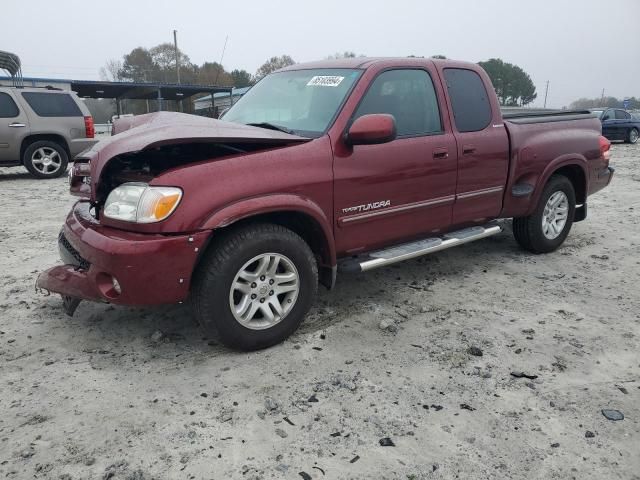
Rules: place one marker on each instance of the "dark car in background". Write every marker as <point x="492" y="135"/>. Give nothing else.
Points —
<point x="618" y="124"/>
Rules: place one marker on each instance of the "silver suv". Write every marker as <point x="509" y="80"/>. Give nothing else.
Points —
<point x="42" y="129"/>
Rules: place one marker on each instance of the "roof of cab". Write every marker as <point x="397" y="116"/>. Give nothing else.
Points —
<point x="367" y="62"/>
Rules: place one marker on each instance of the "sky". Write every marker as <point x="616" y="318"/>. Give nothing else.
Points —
<point x="579" y="46"/>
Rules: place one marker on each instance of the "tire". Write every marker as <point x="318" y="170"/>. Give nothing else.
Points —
<point x="632" y="135"/>
<point x="530" y="232"/>
<point x="215" y="297"/>
<point x="46" y="159"/>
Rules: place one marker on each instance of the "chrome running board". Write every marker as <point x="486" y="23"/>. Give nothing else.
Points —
<point x="406" y="251"/>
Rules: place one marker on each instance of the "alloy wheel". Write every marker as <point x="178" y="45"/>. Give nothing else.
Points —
<point x="555" y="214"/>
<point x="264" y="291"/>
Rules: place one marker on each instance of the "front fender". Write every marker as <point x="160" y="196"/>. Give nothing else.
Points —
<point x="255" y="206"/>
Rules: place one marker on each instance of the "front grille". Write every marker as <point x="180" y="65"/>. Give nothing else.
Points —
<point x="70" y="255"/>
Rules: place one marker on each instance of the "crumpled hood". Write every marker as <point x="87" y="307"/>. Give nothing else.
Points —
<point x="152" y="130"/>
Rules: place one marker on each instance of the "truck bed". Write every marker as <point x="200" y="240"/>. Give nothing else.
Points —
<point x="526" y="116"/>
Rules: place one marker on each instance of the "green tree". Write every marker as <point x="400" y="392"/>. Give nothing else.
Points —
<point x="212" y="73"/>
<point x="273" y="64"/>
<point x="345" y="54"/>
<point x="612" y="102"/>
<point x="512" y="84"/>
<point x="241" y="78"/>
<point x="440" y="57"/>
<point x="164" y="57"/>
<point x="138" y="66"/>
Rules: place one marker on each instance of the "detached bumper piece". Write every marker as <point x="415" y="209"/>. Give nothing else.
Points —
<point x="109" y="265"/>
<point x="70" y="304"/>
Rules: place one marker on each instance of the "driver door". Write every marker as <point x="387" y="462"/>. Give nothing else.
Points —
<point x="396" y="191"/>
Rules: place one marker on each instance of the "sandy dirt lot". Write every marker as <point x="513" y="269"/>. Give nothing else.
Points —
<point x="129" y="393"/>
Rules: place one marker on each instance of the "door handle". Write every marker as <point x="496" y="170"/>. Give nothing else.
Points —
<point x="440" y="153"/>
<point x="16" y="124"/>
<point x="468" y="149"/>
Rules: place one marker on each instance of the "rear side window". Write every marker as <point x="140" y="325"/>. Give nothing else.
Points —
<point x="8" y="108"/>
<point x="52" y="104"/>
<point x="622" y="115"/>
<point x="409" y="96"/>
<point x="469" y="99"/>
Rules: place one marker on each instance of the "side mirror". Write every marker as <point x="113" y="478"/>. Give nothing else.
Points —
<point x="606" y="117"/>
<point x="372" y="129"/>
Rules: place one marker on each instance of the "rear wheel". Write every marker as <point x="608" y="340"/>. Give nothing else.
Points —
<point x="633" y="135"/>
<point x="255" y="286"/>
<point x="45" y="159"/>
<point x="548" y="226"/>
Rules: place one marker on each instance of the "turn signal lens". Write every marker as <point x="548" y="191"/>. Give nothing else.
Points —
<point x="157" y="203"/>
<point x="140" y="203"/>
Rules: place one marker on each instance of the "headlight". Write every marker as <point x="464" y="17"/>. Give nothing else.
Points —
<point x="140" y="203"/>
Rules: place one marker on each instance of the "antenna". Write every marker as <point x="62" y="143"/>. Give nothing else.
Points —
<point x="221" y="58"/>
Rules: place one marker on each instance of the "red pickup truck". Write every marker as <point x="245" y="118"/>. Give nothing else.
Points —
<point x="322" y="167"/>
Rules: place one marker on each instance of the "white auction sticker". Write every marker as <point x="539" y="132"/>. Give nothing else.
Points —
<point x="325" y="81"/>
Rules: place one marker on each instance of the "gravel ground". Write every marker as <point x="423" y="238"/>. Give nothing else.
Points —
<point x="129" y="393"/>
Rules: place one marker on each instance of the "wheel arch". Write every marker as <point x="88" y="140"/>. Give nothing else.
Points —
<point x="37" y="137"/>
<point x="574" y="168"/>
<point x="301" y="215"/>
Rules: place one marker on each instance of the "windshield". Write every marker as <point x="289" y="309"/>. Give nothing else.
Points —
<point x="304" y="102"/>
<point x="598" y="112"/>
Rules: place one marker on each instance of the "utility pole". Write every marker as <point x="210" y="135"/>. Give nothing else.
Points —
<point x="175" y="44"/>
<point x="546" y="92"/>
<point x="602" y="98"/>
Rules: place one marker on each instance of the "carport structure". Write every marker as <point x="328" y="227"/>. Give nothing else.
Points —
<point x="142" y="91"/>
<point x="11" y="63"/>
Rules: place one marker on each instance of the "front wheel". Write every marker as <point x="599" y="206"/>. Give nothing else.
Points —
<point x="632" y="136"/>
<point x="255" y="286"/>
<point x="548" y="226"/>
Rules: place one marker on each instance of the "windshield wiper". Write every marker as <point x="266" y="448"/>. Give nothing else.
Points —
<point x="271" y="126"/>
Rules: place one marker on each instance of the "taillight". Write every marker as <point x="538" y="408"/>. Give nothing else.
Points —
<point x="89" y="128"/>
<point x="605" y="148"/>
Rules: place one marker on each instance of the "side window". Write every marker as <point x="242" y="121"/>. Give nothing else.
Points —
<point x="622" y="115"/>
<point x="52" y="104"/>
<point x="608" y="115"/>
<point x="469" y="99"/>
<point x="409" y="96"/>
<point x="8" y="108"/>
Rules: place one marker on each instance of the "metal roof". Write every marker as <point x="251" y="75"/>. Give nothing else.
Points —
<point x="10" y="62"/>
<point x="141" y="90"/>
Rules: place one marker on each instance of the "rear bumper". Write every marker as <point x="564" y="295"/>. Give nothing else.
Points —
<point x="79" y="145"/>
<point x="150" y="269"/>
<point x="601" y="179"/>
<point x="609" y="175"/>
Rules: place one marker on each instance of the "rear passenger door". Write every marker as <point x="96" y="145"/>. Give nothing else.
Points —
<point x="482" y="144"/>
<point x="13" y="128"/>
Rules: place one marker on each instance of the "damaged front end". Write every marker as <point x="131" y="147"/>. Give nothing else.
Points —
<point x="141" y="262"/>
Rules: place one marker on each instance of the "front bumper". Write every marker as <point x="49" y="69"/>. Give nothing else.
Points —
<point x="150" y="269"/>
